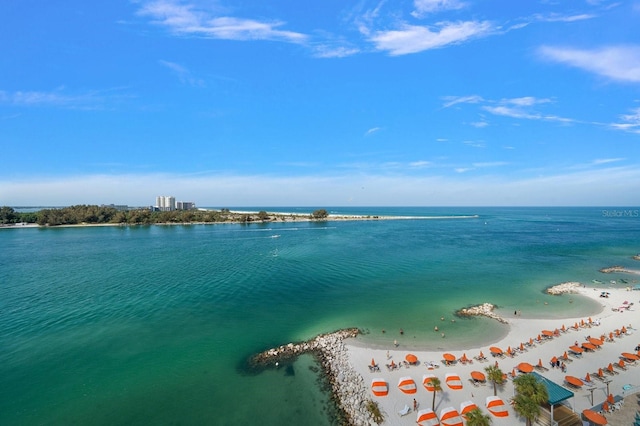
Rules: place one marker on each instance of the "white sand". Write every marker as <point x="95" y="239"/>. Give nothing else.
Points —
<point x="520" y="331"/>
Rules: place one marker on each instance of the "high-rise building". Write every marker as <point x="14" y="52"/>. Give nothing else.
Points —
<point x="165" y="203"/>
<point x="185" y="205"/>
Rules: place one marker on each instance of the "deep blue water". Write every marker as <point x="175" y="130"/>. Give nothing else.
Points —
<point x="152" y="324"/>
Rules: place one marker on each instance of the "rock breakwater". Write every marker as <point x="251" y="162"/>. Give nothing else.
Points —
<point x="485" y="310"/>
<point x="564" y="288"/>
<point x="347" y="386"/>
<point x="612" y="269"/>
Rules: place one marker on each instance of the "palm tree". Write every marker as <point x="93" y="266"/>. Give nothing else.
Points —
<point x="530" y="393"/>
<point x="476" y="417"/>
<point x="435" y="382"/>
<point x="495" y="375"/>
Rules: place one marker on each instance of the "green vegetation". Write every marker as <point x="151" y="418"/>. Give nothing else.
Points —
<point x="437" y="387"/>
<point x="320" y="214"/>
<point x="93" y="215"/>
<point x="373" y="408"/>
<point x="476" y="417"/>
<point x="495" y="375"/>
<point x="530" y="393"/>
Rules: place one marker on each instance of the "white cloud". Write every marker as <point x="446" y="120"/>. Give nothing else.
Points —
<point x="62" y="98"/>
<point x="373" y="130"/>
<point x="631" y="122"/>
<point x="602" y="186"/>
<point x="423" y="7"/>
<point x="420" y="164"/>
<point x="479" y="124"/>
<point x="454" y="100"/>
<point x="413" y="39"/>
<point x="621" y="63"/>
<point x="554" y="17"/>
<point x="326" y="51"/>
<point x="185" y="19"/>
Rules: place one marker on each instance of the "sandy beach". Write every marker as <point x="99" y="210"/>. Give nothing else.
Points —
<point x="619" y="312"/>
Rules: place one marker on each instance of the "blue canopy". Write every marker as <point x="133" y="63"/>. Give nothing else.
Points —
<point x="556" y="392"/>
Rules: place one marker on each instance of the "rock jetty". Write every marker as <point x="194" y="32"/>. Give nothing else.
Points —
<point x="612" y="269"/>
<point x="347" y="386"/>
<point x="564" y="288"/>
<point x="636" y="257"/>
<point x="486" y="310"/>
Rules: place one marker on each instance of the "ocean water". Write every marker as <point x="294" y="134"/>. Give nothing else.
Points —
<point x="154" y="324"/>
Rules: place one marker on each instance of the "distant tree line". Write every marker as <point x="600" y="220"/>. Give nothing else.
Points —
<point x="93" y="214"/>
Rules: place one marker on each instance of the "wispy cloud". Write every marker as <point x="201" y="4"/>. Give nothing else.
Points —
<point x="629" y="122"/>
<point x="424" y="7"/>
<point x="62" y="98"/>
<point x="621" y="63"/>
<point x="372" y="130"/>
<point x="454" y="100"/>
<point x="523" y="108"/>
<point x="555" y="17"/>
<point x="186" y="19"/>
<point x="183" y="74"/>
<point x="328" y="51"/>
<point x="413" y="38"/>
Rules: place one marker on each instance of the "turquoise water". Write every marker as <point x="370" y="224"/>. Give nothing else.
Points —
<point x="152" y="325"/>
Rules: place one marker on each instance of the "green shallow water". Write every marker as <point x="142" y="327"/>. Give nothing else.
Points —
<point x="152" y="325"/>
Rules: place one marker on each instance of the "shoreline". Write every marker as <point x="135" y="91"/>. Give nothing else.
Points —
<point x="346" y="361"/>
<point x="278" y="218"/>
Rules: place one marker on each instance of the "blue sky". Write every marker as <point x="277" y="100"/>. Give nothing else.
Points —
<point x="320" y="103"/>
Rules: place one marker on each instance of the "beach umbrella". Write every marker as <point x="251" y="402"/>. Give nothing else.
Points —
<point x="466" y="406"/>
<point x="513" y="372"/>
<point x="426" y="382"/>
<point x="574" y="381"/>
<point x="610" y="368"/>
<point x="411" y="358"/>
<point x="605" y="406"/>
<point x="611" y="335"/>
<point x="600" y="373"/>
<point x="478" y="376"/>
<point x="590" y="320"/>
<point x="453" y="381"/>
<point x="379" y="387"/>
<point x="582" y="323"/>
<point x="522" y="347"/>
<point x="611" y="399"/>
<point x="449" y="416"/>
<point x="587" y="378"/>
<point x="594" y="417"/>
<point x="481" y="355"/>
<point x="576" y="349"/>
<point x="509" y="351"/>
<point x="630" y="356"/>
<point x="621" y="364"/>
<point x="530" y="340"/>
<point x="464" y="358"/>
<point x="496" y="406"/>
<point x="407" y="385"/>
<point x="565" y="356"/>
<point x="495" y="350"/>
<point x="540" y="363"/>
<point x="563" y="328"/>
<point x="427" y="417"/>
<point x="554" y="360"/>
<point x="623" y="330"/>
<point x="595" y="342"/>
<point x="449" y="357"/>
<point x="547" y="333"/>
<point x="525" y="367"/>
<point x="373" y="362"/>
<point x="589" y="346"/>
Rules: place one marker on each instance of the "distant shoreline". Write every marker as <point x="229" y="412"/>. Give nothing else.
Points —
<point x="273" y="218"/>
